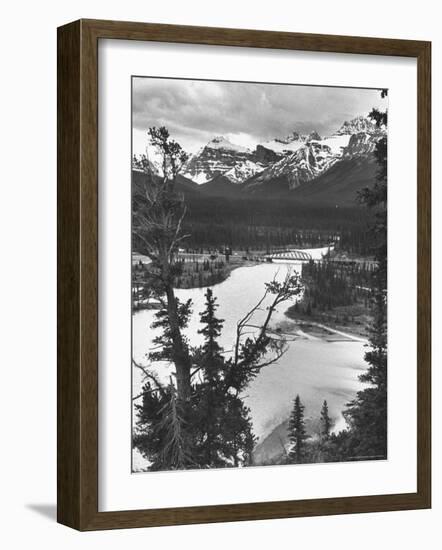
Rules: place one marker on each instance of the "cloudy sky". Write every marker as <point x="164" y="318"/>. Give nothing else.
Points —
<point x="196" y="111"/>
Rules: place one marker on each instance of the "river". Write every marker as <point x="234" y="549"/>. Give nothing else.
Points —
<point x="314" y="368"/>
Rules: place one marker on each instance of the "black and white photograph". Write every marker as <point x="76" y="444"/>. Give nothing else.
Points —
<point x="259" y="274"/>
<point x="220" y="237"/>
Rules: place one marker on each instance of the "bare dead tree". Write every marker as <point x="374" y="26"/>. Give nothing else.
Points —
<point x="158" y="225"/>
<point x="263" y="347"/>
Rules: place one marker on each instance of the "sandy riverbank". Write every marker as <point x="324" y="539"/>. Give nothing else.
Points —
<point x="349" y="320"/>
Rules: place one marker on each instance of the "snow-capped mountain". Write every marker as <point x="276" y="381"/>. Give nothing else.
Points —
<point x="361" y="144"/>
<point x="289" y="144"/>
<point x="223" y="144"/>
<point x="277" y="165"/>
<point x="314" y="155"/>
<point x="221" y="157"/>
<point x="243" y="171"/>
<point x="357" y="125"/>
<point x="306" y="163"/>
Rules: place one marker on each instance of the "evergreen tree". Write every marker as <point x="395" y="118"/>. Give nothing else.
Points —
<point x="297" y="433"/>
<point x="211" y="332"/>
<point x="217" y="430"/>
<point x="210" y="409"/>
<point x="367" y="414"/>
<point x="164" y="341"/>
<point x="222" y="422"/>
<point x="214" y="429"/>
<point x="160" y="434"/>
<point x="199" y="419"/>
<point x="325" y="421"/>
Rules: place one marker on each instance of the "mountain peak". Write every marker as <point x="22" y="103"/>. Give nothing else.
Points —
<point x="294" y="136"/>
<point x="218" y="157"/>
<point x="221" y="142"/>
<point x="356" y="125"/>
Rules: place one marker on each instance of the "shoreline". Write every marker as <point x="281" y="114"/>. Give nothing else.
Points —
<point x="312" y="330"/>
<point x="224" y="274"/>
<point x="354" y="327"/>
<point x="329" y="334"/>
<point x="328" y="331"/>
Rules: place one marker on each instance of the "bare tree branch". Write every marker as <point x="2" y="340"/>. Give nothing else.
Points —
<point x="150" y="376"/>
<point x="247" y="354"/>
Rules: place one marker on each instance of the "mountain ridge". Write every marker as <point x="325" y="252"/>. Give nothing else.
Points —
<point x="308" y="167"/>
<point x="300" y="157"/>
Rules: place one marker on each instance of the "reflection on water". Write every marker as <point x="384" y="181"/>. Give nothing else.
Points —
<point x="314" y="368"/>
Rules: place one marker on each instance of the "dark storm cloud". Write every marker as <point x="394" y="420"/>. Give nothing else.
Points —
<point x="195" y="111"/>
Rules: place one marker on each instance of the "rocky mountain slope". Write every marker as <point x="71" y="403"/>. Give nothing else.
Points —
<point x="305" y="164"/>
<point x="307" y="167"/>
<point x="220" y="157"/>
<point x="357" y="125"/>
<point x="237" y="164"/>
<point x="289" y="144"/>
<point x="315" y="157"/>
<point x="339" y="186"/>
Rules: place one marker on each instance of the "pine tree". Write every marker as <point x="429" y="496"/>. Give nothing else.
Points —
<point x="160" y="436"/>
<point x="211" y="332"/>
<point x="164" y="341"/>
<point x="325" y="421"/>
<point x="210" y="400"/>
<point x="217" y="431"/>
<point x="297" y="433"/>
<point x="199" y="419"/>
<point x="213" y="428"/>
<point x="367" y="414"/>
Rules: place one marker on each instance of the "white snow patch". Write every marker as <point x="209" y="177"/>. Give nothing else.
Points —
<point x="282" y="148"/>
<point x="220" y="142"/>
<point x="242" y="171"/>
<point x="336" y="143"/>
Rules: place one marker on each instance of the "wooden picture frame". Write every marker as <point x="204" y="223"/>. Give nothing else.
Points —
<point x="78" y="274"/>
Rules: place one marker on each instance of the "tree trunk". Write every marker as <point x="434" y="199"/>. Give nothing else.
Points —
<point x="180" y="355"/>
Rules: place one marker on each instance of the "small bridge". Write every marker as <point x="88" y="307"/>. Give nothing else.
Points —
<point x="290" y="255"/>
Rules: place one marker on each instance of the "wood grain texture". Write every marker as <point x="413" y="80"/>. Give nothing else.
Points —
<point x="252" y="38"/>
<point x="68" y="276"/>
<point x="424" y="274"/>
<point x="78" y="274"/>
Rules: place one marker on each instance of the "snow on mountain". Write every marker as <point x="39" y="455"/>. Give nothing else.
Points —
<point x="220" y="142"/>
<point x="219" y="157"/>
<point x="337" y="143"/>
<point x="199" y="177"/>
<point x="361" y="144"/>
<point x="282" y="147"/>
<point x="289" y="144"/>
<point x="243" y="171"/>
<point x="293" y="160"/>
<point x="314" y="155"/>
<point x="356" y="125"/>
<point x="303" y="165"/>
